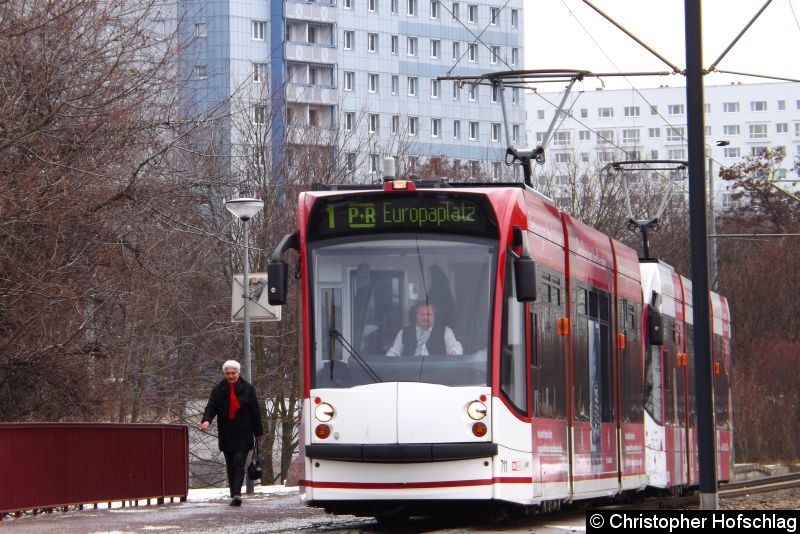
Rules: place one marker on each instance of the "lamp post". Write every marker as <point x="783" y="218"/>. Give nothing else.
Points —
<point x="245" y="209"/>
<point x="712" y="224"/>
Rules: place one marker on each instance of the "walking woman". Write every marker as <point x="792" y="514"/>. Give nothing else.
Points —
<point x="233" y="402"/>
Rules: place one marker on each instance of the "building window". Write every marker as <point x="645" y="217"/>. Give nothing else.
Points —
<point x="605" y="137"/>
<point x="412" y="85"/>
<point x="349" y="40"/>
<point x="707" y="131"/>
<point x="654" y="132"/>
<point x="257" y="29"/>
<point x="730" y="129"/>
<point x="454" y="10"/>
<point x="395" y="84"/>
<point x="472" y="13"/>
<point x="563" y="157"/>
<point x="730" y="107"/>
<point x="731" y="152"/>
<point x="675" y="134"/>
<point x="456" y="90"/>
<point x="515" y="96"/>
<point x="495" y="94"/>
<point x="259" y="114"/>
<point x="584" y="135"/>
<point x="395" y="124"/>
<point x="201" y="29"/>
<point x="514" y="18"/>
<point x="372" y="5"/>
<point x="605" y="113"/>
<point x="495" y="132"/>
<point x="348" y="4"/>
<point x="393" y="6"/>
<point x="472" y="54"/>
<point x="374" y="163"/>
<point x="676" y="153"/>
<point x="757" y="150"/>
<point x="395" y="40"/>
<point x="373" y="83"/>
<point x="349" y="121"/>
<point x="675" y="109"/>
<point x="495" y="14"/>
<point x="373" y="122"/>
<point x="372" y="42"/>
<point x="584" y="113"/>
<point x="436" y="127"/>
<point x="782" y="128"/>
<point x="758" y="105"/>
<point x="514" y="56"/>
<point x="654" y="154"/>
<point x="706" y="108"/>
<point x="436" y="46"/>
<point x="349" y="80"/>
<point x="494" y="55"/>
<point x="413" y="124"/>
<point x="412" y="8"/>
<point x="757" y="131"/>
<point x="781" y="105"/>
<point x="515" y="133"/>
<point x="200" y="72"/>
<point x="630" y="136"/>
<point x="259" y="72"/>
<point x="456" y="129"/>
<point x="411" y="46"/>
<point x="562" y="138"/>
<point x="456" y="50"/>
<point x="473" y="92"/>
<point x="474" y="130"/>
<point x="632" y="111"/>
<point x="434" y="9"/>
<point x="435" y="88"/>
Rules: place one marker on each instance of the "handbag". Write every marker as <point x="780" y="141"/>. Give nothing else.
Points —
<point x="254" y="470"/>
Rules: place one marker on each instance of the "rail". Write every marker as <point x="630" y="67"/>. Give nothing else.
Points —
<point x="46" y="466"/>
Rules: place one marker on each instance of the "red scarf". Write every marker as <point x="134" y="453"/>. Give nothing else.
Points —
<point x="234" y="403"/>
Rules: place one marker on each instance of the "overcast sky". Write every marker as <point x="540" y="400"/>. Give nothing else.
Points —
<point x="569" y="34"/>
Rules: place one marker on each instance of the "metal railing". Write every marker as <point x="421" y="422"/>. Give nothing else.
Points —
<point x="54" y="465"/>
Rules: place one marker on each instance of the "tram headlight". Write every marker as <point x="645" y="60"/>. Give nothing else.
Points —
<point x="324" y="412"/>
<point x="476" y="410"/>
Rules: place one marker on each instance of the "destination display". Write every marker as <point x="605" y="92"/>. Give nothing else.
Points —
<point x="452" y="213"/>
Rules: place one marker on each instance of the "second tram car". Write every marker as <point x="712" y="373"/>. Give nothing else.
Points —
<point x="574" y="378"/>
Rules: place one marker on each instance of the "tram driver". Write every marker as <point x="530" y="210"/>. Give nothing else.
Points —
<point x="425" y="337"/>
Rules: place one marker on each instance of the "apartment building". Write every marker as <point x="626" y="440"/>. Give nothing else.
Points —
<point x="597" y="127"/>
<point x="360" y="76"/>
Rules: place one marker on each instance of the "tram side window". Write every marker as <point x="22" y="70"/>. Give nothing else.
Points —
<point x="670" y="373"/>
<point x="592" y="356"/>
<point x="547" y="352"/>
<point x="721" y="384"/>
<point x="513" y="380"/>
<point x="691" y="367"/>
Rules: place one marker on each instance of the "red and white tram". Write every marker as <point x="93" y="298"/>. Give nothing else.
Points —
<point x="575" y="376"/>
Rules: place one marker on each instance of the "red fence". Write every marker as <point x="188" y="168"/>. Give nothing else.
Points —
<point x="48" y="465"/>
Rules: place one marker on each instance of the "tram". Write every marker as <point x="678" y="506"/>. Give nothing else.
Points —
<point x="572" y="379"/>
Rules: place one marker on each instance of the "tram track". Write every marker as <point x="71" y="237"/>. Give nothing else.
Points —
<point x="726" y="491"/>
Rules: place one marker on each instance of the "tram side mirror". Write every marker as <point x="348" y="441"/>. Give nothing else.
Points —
<point x="277" y="282"/>
<point x="525" y="279"/>
<point x="655" y="327"/>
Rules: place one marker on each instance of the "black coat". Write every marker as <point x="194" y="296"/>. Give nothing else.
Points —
<point x="236" y="434"/>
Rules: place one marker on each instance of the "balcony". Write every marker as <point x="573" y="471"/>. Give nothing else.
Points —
<point x="318" y="11"/>
<point x="311" y="94"/>
<point x="307" y="52"/>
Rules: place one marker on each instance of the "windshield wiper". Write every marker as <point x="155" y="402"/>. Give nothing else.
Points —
<point x="336" y="335"/>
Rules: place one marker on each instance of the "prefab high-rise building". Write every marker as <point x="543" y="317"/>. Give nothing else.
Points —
<point x="355" y="79"/>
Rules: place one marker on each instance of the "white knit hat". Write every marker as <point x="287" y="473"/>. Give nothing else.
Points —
<point x="232" y="364"/>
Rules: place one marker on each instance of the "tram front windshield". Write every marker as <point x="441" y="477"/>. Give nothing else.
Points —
<point x="401" y="308"/>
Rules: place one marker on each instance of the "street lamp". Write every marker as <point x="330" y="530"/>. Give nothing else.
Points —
<point x="245" y="209"/>
<point x="712" y="225"/>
